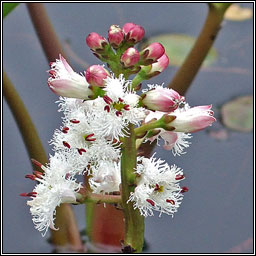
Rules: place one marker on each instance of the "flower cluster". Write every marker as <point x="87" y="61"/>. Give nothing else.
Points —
<point x="98" y="107"/>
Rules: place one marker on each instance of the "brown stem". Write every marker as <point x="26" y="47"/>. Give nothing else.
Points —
<point x="187" y="72"/>
<point x="45" y="31"/>
<point x="68" y="233"/>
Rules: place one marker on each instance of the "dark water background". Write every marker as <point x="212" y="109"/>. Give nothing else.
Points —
<point x="217" y="213"/>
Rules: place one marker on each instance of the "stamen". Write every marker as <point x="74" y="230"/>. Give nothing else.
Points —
<point x="74" y="121"/>
<point x="151" y="202"/>
<point x="107" y="99"/>
<point x="179" y="177"/>
<point x="33" y="194"/>
<point x="65" y="129"/>
<point x="126" y="107"/>
<point x="170" y="201"/>
<point x="38" y="174"/>
<point x="35" y="162"/>
<point x="52" y="73"/>
<point x="81" y="150"/>
<point x="88" y="137"/>
<point x="184" y="189"/>
<point x="118" y="113"/>
<point x="121" y="100"/>
<point x="107" y="108"/>
<point x="66" y="144"/>
<point x="157" y="187"/>
<point x="30" y="176"/>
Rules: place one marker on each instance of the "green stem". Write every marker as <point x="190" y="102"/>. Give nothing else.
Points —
<point x="140" y="131"/>
<point x="134" y="221"/>
<point x="187" y="72"/>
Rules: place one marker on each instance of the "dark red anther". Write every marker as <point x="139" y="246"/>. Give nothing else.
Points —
<point x="179" y="177"/>
<point x="107" y="99"/>
<point x="67" y="176"/>
<point x="66" y="144"/>
<point x="65" y="129"/>
<point x="50" y="63"/>
<point x="157" y="187"/>
<point x="38" y="174"/>
<point x="30" y="176"/>
<point x="74" y="121"/>
<point x="81" y="150"/>
<point x="184" y="189"/>
<point x="23" y="194"/>
<point x="120" y="99"/>
<point x="118" y="113"/>
<point x="89" y="137"/>
<point x="126" y="107"/>
<point x="33" y="194"/>
<point x="151" y="202"/>
<point x="107" y="108"/>
<point x="170" y="201"/>
<point x="52" y="73"/>
<point x="35" y="162"/>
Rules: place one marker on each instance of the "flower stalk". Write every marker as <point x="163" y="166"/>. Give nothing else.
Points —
<point x="134" y="221"/>
<point x="189" y="69"/>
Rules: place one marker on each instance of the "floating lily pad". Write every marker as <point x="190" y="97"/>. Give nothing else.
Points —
<point x="177" y="47"/>
<point x="238" y="13"/>
<point x="238" y="114"/>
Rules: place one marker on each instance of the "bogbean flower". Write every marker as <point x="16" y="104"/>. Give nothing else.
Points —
<point x="106" y="177"/>
<point x="152" y="53"/>
<point x="130" y="57"/>
<point x="133" y="32"/>
<point x="95" y="75"/>
<point x="192" y="119"/>
<point x="115" y="36"/>
<point x="158" y="187"/>
<point x="98" y="111"/>
<point x="63" y="81"/>
<point x="161" y="99"/>
<point x="95" y="41"/>
<point x="55" y="186"/>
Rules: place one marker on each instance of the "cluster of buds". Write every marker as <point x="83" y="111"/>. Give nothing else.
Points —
<point x="122" y="57"/>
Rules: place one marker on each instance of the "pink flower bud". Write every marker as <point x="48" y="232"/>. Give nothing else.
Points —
<point x="153" y="52"/>
<point x="96" y="75"/>
<point x="193" y="119"/>
<point x="161" y="64"/>
<point x="133" y="32"/>
<point x="162" y="99"/>
<point x="115" y="35"/>
<point x="130" y="57"/>
<point x="95" y="41"/>
<point x="63" y="81"/>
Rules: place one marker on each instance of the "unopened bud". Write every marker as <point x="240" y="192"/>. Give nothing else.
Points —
<point x="133" y="32"/>
<point x="115" y="36"/>
<point x="95" y="75"/>
<point x="130" y="57"/>
<point x="152" y="53"/>
<point x="95" y="41"/>
<point x="162" y="99"/>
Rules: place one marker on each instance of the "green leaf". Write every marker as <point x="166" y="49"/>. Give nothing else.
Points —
<point x="8" y="7"/>
<point x="177" y="47"/>
<point x="238" y="114"/>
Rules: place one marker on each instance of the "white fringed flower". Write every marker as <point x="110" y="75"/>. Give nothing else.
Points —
<point x="55" y="186"/>
<point x="158" y="188"/>
<point x="106" y="177"/>
<point x="115" y="110"/>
